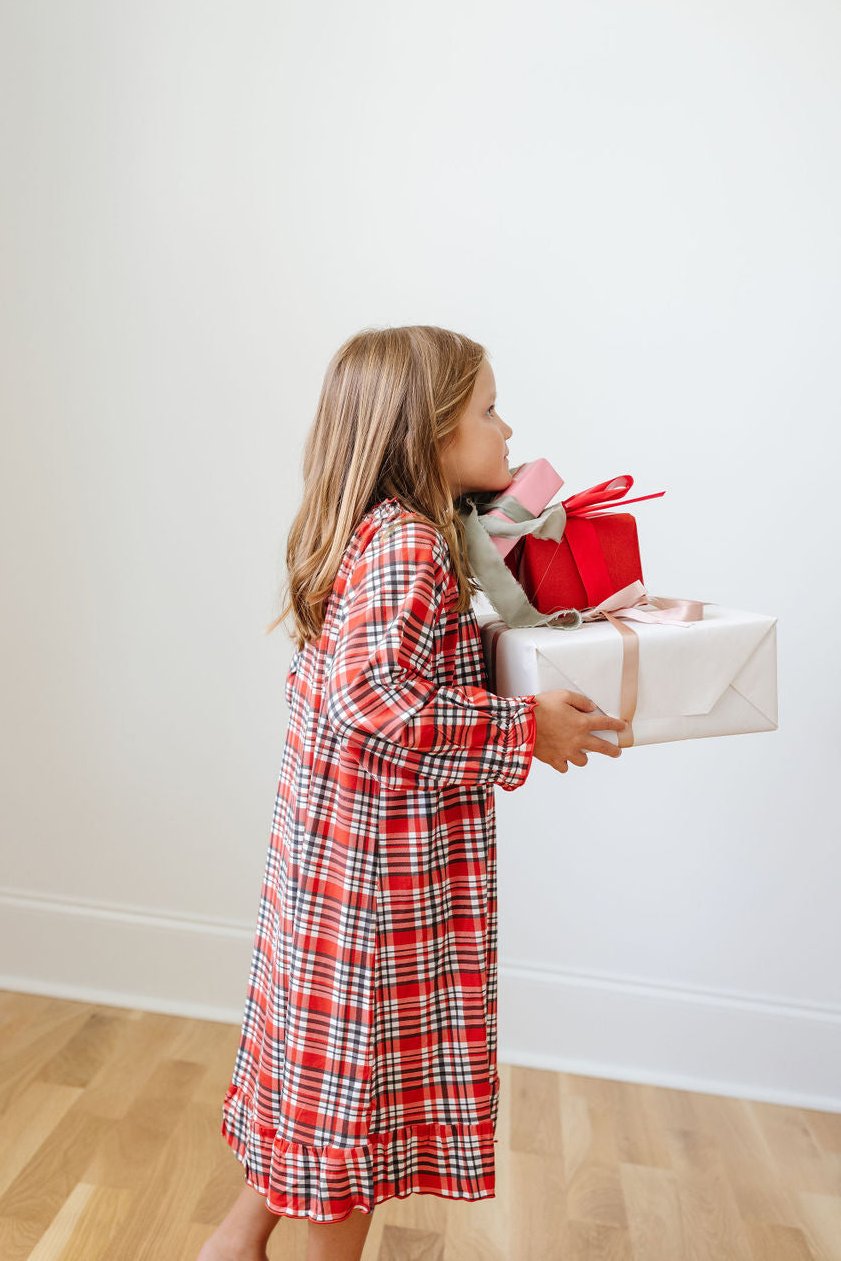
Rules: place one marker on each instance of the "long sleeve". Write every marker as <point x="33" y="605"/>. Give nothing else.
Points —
<point x="393" y="716"/>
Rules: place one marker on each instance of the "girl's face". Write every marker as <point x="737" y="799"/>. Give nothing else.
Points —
<point x="477" y="457"/>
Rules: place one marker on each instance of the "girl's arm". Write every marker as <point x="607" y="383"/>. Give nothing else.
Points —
<point x="382" y="699"/>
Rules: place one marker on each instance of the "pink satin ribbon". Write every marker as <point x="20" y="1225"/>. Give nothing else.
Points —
<point x="645" y="608"/>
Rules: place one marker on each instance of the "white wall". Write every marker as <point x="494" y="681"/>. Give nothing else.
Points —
<point x="635" y="206"/>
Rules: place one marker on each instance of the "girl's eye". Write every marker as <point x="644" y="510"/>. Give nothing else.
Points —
<point x="492" y="408"/>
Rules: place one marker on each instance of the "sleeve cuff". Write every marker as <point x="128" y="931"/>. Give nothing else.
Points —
<point x="517" y="753"/>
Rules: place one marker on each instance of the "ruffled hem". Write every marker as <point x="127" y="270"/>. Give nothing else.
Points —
<point x="326" y="1183"/>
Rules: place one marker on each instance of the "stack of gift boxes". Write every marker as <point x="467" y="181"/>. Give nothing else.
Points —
<point x="674" y="668"/>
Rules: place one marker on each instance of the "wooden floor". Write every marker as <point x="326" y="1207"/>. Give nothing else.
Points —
<point x="110" y="1151"/>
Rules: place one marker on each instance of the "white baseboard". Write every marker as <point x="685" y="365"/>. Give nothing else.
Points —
<point x="124" y="956"/>
<point x="740" y="1045"/>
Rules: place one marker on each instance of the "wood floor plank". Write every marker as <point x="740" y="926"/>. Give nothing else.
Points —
<point x="773" y="1242"/>
<point x="78" y="1058"/>
<point x="652" y="1203"/>
<point x="136" y="1139"/>
<point x="28" y="1122"/>
<point x="538" y="1206"/>
<point x="825" y="1128"/>
<point x="33" y="1044"/>
<point x="473" y="1229"/>
<point x="535" y="1111"/>
<point x="59" y="1234"/>
<point x="19" y="1011"/>
<point x="755" y="1179"/>
<point x="711" y="1220"/>
<point x="165" y="1192"/>
<point x="472" y="1243"/>
<point x="424" y="1213"/>
<point x="583" y="1135"/>
<point x="822" y="1224"/>
<point x="594" y="1194"/>
<point x="139" y="1044"/>
<point x="594" y="1241"/>
<point x="405" y="1243"/>
<point x="800" y="1157"/>
<point x="98" y="1232"/>
<point x="223" y="1178"/>
<point x="640" y="1137"/>
<point x="38" y="1192"/>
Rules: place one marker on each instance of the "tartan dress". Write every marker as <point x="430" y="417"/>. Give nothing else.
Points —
<point x="367" y="1067"/>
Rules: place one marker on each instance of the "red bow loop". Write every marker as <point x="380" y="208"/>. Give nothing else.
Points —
<point x="603" y="496"/>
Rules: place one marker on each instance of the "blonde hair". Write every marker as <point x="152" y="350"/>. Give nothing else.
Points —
<point x="390" y="402"/>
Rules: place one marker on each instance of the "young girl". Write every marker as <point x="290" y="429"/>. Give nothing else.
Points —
<point x="367" y="1063"/>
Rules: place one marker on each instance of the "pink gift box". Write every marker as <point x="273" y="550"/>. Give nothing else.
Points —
<point x="533" y="486"/>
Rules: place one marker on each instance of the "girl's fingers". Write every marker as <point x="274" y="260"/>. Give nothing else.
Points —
<point x="602" y="746"/>
<point x="606" y="722"/>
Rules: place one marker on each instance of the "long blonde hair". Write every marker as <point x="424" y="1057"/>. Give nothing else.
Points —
<point x="390" y="401"/>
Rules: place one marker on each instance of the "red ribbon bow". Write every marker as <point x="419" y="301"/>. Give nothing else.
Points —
<point x="595" y="501"/>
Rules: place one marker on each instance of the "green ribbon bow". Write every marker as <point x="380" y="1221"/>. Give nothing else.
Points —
<point x="496" y="579"/>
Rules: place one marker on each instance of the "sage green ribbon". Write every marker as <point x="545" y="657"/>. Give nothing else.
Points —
<point x="497" y="581"/>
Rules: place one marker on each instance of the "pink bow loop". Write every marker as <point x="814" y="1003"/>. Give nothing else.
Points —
<point x="636" y="603"/>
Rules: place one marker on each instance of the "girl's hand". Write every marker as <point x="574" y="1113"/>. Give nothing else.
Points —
<point x="565" y="726"/>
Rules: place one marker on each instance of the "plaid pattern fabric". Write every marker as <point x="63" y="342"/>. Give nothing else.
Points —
<point x="367" y="1062"/>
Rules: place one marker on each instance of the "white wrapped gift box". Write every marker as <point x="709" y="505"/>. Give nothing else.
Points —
<point x="713" y="677"/>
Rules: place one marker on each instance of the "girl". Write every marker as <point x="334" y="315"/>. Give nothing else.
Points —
<point x="367" y="1063"/>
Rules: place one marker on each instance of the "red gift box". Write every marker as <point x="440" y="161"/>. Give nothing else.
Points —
<point x="598" y="555"/>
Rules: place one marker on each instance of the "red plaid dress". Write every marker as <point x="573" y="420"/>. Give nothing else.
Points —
<point x="367" y="1062"/>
